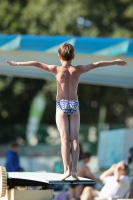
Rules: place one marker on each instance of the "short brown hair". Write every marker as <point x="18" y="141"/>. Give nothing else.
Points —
<point x="126" y="168"/>
<point x="66" y="51"/>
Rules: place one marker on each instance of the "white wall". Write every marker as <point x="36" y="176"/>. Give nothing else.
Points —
<point x="114" y="146"/>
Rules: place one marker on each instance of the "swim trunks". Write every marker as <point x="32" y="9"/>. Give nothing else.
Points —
<point x="68" y="106"/>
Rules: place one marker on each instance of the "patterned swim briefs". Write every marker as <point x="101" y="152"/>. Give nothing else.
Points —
<point x="68" y="106"/>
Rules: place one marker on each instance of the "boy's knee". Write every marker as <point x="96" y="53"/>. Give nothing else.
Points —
<point x="87" y="189"/>
<point x="87" y="193"/>
<point x="74" y="140"/>
<point x="64" y="140"/>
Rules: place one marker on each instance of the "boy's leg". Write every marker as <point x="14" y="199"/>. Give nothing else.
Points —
<point x="89" y="194"/>
<point x="62" y="122"/>
<point x="74" y="130"/>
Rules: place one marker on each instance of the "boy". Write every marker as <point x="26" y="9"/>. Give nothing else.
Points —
<point x="67" y="105"/>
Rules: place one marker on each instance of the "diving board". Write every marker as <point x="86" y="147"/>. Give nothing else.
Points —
<point x="13" y="185"/>
<point x="48" y="178"/>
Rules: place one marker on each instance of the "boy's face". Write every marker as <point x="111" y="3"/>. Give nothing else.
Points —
<point x="87" y="160"/>
<point x="15" y="149"/>
<point x="122" y="171"/>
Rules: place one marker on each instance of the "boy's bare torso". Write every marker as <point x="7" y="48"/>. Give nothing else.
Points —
<point x="67" y="82"/>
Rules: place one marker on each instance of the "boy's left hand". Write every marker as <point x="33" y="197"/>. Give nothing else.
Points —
<point x="120" y="62"/>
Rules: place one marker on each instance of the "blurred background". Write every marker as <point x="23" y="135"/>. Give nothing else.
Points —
<point x="33" y="30"/>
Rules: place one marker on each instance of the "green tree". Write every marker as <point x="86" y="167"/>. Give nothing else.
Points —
<point x="88" y="18"/>
<point x="16" y="95"/>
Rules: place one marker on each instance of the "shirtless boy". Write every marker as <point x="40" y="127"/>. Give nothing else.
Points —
<point x="67" y="105"/>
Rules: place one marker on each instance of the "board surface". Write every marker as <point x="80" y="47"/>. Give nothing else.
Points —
<point x="50" y="178"/>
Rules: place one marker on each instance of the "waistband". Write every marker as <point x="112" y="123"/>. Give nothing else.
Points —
<point x="69" y="100"/>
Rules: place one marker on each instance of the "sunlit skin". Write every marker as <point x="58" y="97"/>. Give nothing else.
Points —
<point x="67" y="77"/>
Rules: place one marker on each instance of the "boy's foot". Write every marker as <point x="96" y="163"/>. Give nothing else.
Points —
<point x="75" y="176"/>
<point x="65" y="175"/>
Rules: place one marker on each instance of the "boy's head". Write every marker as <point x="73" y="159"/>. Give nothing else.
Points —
<point x="66" y="52"/>
<point x="124" y="170"/>
<point x="86" y="156"/>
<point x="14" y="146"/>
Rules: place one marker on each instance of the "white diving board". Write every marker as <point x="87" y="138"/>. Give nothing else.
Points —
<point x="48" y="178"/>
<point x="13" y="185"/>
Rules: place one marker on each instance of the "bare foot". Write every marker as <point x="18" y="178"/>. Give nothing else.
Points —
<point x="75" y="176"/>
<point x="65" y="175"/>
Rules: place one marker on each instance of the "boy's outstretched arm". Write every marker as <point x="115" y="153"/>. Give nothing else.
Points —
<point x="46" y="67"/>
<point x="86" y="68"/>
<point x="108" y="172"/>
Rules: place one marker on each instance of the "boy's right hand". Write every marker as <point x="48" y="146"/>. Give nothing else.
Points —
<point x="112" y="168"/>
<point x="120" y="62"/>
<point x="120" y="164"/>
<point x="12" y="63"/>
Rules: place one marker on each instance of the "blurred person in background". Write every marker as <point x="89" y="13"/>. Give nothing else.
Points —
<point x="12" y="159"/>
<point x="130" y="164"/>
<point x="115" y="186"/>
<point x="130" y="161"/>
<point x="83" y="171"/>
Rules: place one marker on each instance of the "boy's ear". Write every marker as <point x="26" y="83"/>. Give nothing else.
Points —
<point x="59" y="56"/>
<point x="73" y="56"/>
